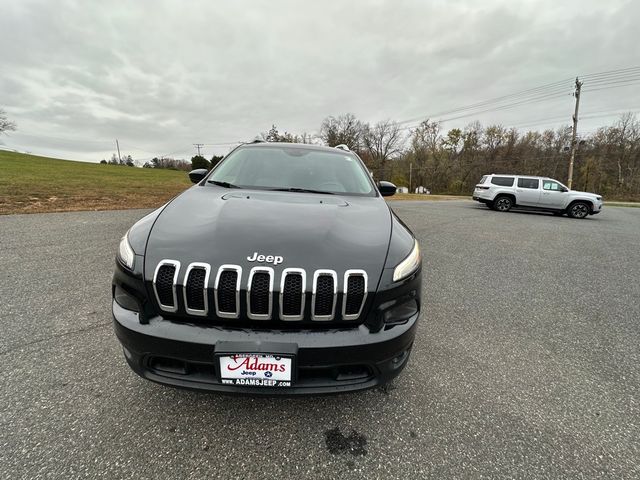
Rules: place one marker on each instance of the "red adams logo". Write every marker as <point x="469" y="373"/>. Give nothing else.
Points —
<point x="254" y="363"/>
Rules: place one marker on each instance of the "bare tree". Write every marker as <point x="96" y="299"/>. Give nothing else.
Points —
<point x="5" y="124"/>
<point x="383" y="141"/>
<point x="424" y="152"/>
<point x="345" y="129"/>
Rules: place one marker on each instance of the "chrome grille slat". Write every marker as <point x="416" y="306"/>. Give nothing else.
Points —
<point x="285" y="301"/>
<point x="258" y="300"/>
<point x="320" y="296"/>
<point x="351" y="300"/>
<point x="188" y="289"/>
<point x="221" y="304"/>
<point x="173" y="307"/>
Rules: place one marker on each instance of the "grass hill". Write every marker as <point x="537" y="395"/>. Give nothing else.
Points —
<point x="30" y="184"/>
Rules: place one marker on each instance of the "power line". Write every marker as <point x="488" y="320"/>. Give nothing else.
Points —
<point x="619" y="71"/>
<point x="610" y="86"/>
<point x="586" y="115"/>
<point x="554" y="87"/>
<point x="631" y="78"/>
<point x="615" y="78"/>
<point x="606" y="79"/>
<point x="541" y="98"/>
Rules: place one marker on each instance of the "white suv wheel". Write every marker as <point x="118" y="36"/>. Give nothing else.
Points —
<point x="503" y="204"/>
<point x="579" y="210"/>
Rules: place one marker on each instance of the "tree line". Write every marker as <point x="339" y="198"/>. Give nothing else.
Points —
<point x="169" y="163"/>
<point x="452" y="161"/>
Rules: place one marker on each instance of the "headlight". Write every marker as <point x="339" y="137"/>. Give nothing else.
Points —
<point x="409" y="264"/>
<point x="125" y="252"/>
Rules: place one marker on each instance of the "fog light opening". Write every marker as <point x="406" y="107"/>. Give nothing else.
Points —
<point x="125" y="299"/>
<point x="400" y="313"/>
<point x="168" y="365"/>
<point x="399" y="360"/>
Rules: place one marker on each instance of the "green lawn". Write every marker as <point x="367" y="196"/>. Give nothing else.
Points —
<point x="30" y="184"/>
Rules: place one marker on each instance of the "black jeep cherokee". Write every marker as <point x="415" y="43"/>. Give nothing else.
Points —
<point x="282" y="270"/>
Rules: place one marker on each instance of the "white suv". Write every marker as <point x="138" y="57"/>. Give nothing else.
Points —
<point x="502" y="192"/>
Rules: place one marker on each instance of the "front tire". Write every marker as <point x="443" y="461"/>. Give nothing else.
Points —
<point x="503" y="204"/>
<point x="578" y="210"/>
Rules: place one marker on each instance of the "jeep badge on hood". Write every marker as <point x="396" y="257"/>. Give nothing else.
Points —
<point x="275" y="259"/>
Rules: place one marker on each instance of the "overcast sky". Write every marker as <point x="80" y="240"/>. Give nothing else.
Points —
<point x="160" y="76"/>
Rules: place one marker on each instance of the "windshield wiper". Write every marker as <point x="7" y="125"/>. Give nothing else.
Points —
<point x="223" y="184"/>
<point x="300" y="190"/>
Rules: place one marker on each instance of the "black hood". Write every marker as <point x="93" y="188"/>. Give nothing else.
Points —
<point x="311" y="231"/>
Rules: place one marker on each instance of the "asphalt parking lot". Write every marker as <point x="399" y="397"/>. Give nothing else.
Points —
<point x="526" y="364"/>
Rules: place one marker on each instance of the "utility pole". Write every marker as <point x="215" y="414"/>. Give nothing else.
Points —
<point x="198" y="146"/>
<point x="118" y="147"/>
<point x="410" y="168"/>
<point x="574" y="133"/>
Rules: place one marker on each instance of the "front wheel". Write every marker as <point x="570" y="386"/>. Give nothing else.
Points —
<point x="578" y="210"/>
<point x="503" y="204"/>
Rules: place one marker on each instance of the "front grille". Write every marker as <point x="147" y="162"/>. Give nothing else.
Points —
<point x="324" y="295"/>
<point x="259" y="294"/>
<point x="228" y="291"/>
<point x="355" y="293"/>
<point x="292" y="294"/>
<point x="195" y="285"/>
<point x="164" y="284"/>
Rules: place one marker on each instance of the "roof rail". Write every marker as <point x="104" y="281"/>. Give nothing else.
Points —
<point x="342" y="146"/>
<point x="257" y="140"/>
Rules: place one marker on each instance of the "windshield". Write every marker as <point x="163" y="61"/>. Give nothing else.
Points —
<point x="294" y="168"/>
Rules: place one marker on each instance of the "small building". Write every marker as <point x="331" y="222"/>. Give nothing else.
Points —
<point x="402" y="190"/>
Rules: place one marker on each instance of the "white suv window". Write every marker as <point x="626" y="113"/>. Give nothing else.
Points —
<point x="528" y="183"/>
<point x="551" y="185"/>
<point x="502" y="181"/>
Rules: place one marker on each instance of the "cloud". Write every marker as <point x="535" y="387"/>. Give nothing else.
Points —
<point x="160" y="76"/>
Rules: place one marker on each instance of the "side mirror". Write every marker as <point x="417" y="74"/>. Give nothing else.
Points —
<point x="198" y="174"/>
<point x="386" y="188"/>
<point x="564" y="189"/>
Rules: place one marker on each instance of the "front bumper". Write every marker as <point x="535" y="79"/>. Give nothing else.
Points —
<point x="327" y="361"/>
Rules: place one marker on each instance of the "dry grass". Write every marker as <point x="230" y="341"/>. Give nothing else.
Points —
<point x="32" y="184"/>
